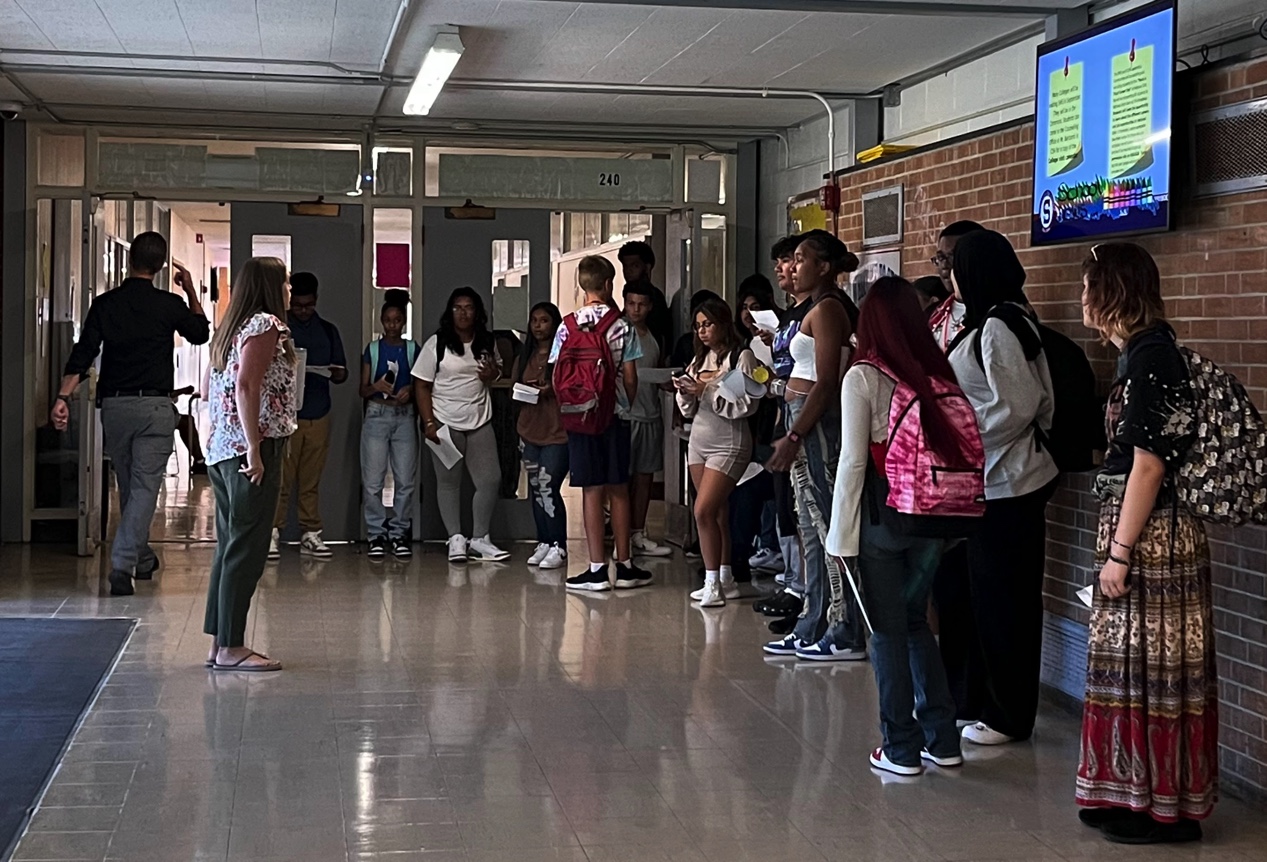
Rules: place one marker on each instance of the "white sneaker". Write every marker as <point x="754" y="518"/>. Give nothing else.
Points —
<point x="274" y="546"/>
<point x="946" y="762"/>
<point x="484" y="550"/>
<point x="556" y="558"/>
<point x="711" y="596"/>
<point x="457" y="548"/>
<point x="644" y="547"/>
<point x="312" y="546"/>
<point x="982" y="734"/>
<point x="880" y="760"/>
<point x="729" y="590"/>
<point x="539" y="554"/>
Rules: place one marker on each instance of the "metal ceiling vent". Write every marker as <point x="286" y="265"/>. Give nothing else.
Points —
<point x="882" y="217"/>
<point x="1227" y="148"/>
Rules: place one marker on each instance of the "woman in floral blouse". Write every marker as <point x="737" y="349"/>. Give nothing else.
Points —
<point x="1148" y="771"/>
<point x="251" y="393"/>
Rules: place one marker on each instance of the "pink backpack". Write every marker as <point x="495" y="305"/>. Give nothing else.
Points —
<point x="926" y="496"/>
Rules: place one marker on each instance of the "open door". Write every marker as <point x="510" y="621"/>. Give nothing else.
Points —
<point x="93" y="476"/>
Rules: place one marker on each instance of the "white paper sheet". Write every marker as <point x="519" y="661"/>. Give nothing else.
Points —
<point x="320" y="370"/>
<point x="656" y="375"/>
<point x="446" y="450"/>
<point x="1085" y="594"/>
<point x="735" y="384"/>
<point x="754" y="470"/>
<point x="767" y="320"/>
<point x="525" y="393"/>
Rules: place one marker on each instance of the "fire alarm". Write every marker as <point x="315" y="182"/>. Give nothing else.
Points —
<point x="829" y="197"/>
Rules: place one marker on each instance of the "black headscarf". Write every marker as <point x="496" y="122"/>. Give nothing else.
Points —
<point x="989" y="275"/>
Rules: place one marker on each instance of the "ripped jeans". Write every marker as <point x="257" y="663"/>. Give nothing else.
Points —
<point x="547" y="467"/>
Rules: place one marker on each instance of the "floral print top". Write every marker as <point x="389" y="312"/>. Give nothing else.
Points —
<point x="277" y="399"/>
<point x="1151" y="405"/>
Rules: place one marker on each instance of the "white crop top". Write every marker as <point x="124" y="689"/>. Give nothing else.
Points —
<point x="804" y="365"/>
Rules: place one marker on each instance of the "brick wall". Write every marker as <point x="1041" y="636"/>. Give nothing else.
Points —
<point x="1214" y="269"/>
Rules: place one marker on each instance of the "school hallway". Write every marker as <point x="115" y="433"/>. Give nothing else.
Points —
<point x="430" y="713"/>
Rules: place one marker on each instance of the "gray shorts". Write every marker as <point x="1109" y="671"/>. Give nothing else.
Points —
<point x="647" y="447"/>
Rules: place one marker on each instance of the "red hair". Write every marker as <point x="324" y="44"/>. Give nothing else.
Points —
<point x="893" y="331"/>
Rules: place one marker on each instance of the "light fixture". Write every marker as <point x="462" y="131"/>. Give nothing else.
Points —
<point x="437" y="66"/>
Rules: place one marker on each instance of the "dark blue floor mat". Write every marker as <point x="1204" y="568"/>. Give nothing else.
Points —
<point x="49" y="671"/>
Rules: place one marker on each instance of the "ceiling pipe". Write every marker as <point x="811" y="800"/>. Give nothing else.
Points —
<point x="398" y="29"/>
<point x="666" y="90"/>
<point x="366" y="79"/>
<point x="182" y="58"/>
<point x="34" y="100"/>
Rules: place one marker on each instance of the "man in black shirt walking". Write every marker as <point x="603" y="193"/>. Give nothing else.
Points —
<point x="135" y="324"/>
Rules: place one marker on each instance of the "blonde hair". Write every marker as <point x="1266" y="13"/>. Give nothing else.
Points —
<point x="1123" y="289"/>
<point x="259" y="287"/>
<point x="593" y="273"/>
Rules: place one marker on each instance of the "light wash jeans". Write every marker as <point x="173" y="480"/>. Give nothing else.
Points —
<point x="547" y="467"/>
<point x="389" y="435"/>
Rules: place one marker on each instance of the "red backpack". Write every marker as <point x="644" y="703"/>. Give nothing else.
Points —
<point x="585" y="376"/>
<point x="925" y="496"/>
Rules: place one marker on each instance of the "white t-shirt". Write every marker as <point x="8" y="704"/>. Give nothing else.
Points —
<point x="458" y="397"/>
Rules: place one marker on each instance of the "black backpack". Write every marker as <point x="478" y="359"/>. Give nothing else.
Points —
<point x="1077" y="426"/>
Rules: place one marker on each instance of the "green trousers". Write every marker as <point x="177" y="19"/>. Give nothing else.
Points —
<point x="244" y="521"/>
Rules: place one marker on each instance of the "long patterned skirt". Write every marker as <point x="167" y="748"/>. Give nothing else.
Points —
<point x="1150" y="720"/>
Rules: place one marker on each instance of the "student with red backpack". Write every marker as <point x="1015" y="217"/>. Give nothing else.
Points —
<point x="911" y="476"/>
<point x="594" y="357"/>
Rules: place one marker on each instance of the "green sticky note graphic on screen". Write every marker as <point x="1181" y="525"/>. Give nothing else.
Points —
<point x="1131" y="111"/>
<point x="1064" y="119"/>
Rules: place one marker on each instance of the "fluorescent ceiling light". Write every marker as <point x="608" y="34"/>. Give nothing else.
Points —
<point x="437" y="66"/>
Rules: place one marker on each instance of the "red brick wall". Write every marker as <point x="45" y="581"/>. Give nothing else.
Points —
<point x="1214" y="268"/>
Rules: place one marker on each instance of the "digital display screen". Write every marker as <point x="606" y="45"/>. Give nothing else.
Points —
<point x="1102" y="129"/>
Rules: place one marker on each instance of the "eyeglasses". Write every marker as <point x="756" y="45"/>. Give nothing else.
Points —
<point x="704" y="324"/>
<point x="942" y="260"/>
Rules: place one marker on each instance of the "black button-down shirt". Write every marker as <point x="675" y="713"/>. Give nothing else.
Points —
<point x="135" y="323"/>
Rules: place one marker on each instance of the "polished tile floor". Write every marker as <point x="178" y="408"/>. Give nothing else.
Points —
<point x="431" y="713"/>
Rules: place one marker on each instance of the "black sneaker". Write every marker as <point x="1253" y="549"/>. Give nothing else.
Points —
<point x="783" y="625"/>
<point x="401" y="548"/>
<point x="120" y="583"/>
<point x="378" y="548"/>
<point x="590" y="581"/>
<point x="1142" y="829"/>
<point x="148" y="574"/>
<point x="782" y="604"/>
<point x="630" y="577"/>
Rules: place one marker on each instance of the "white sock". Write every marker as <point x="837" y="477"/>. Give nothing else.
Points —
<point x="597" y="567"/>
<point x="636" y="535"/>
<point x="626" y="563"/>
<point x="710" y="576"/>
<point x="727" y="574"/>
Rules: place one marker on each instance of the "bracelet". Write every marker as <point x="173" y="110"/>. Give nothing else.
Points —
<point x="1119" y="561"/>
<point x="1123" y="545"/>
<point x="431" y="423"/>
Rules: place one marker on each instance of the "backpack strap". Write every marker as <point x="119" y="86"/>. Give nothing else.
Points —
<point x="411" y="352"/>
<point x="373" y="358"/>
<point x="1018" y="321"/>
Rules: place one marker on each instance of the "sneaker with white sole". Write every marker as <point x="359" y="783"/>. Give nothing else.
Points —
<point x="378" y="548"/>
<point x="590" y="581"/>
<point x="944" y="762"/>
<point x="630" y="577"/>
<point x="780" y="579"/>
<point x="729" y="591"/>
<point x="644" y="547"/>
<point x="880" y="760"/>
<point x="457" y="548"/>
<point x="982" y="734"/>
<point x="312" y="546"/>
<point x="785" y="646"/>
<point x="483" y="550"/>
<point x="825" y="650"/>
<point x="556" y="558"/>
<point x="401" y="549"/>
<point x="274" y="546"/>
<point x="766" y="560"/>
<point x="710" y="595"/>
<point x="535" y="558"/>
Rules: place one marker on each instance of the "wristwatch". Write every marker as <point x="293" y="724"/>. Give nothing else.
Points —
<point x="65" y="398"/>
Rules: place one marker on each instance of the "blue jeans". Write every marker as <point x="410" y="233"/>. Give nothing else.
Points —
<point x="830" y="607"/>
<point x="547" y="466"/>
<point x="897" y="576"/>
<point x="389" y="435"/>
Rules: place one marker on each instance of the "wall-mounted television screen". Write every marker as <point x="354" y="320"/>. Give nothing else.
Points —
<point x="1102" y="129"/>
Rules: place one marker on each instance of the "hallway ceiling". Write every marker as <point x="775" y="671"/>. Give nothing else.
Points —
<point x="278" y="43"/>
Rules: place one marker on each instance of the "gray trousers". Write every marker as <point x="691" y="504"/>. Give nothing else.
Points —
<point x="479" y="450"/>
<point x="139" y="436"/>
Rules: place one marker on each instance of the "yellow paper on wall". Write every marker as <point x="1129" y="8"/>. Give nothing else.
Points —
<point x="1131" y="111"/>
<point x="1064" y="119"/>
